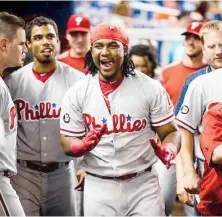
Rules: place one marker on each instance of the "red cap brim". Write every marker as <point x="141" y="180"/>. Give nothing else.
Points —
<point x="79" y="29"/>
<point x="190" y="32"/>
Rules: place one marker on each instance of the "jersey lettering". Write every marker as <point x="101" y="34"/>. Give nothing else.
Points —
<point x="39" y="111"/>
<point x="12" y="118"/>
<point x="121" y="123"/>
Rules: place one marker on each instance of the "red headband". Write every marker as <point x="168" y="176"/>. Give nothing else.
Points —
<point x="109" y="31"/>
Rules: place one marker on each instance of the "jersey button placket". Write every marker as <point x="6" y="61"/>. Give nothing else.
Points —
<point x="112" y="111"/>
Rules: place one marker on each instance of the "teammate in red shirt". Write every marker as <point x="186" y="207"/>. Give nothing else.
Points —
<point x="174" y="75"/>
<point x="78" y="36"/>
<point x="211" y="145"/>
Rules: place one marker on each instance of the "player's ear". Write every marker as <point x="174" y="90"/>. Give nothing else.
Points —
<point x="67" y="36"/>
<point x="4" y="43"/>
<point x="29" y="44"/>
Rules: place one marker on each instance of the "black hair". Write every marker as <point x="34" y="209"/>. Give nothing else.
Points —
<point x="10" y="23"/>
<point x="39" y="21"/>
<point x="144" y="50"/>
<point x="183" y="14"/>
<point x="128" y="65"/>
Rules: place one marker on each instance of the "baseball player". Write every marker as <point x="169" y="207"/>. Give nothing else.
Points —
<point x="45" y="180"/>
<point x="12" y="53"/>
<point x="108" y="118"/>
<point x="78" y="37"/>
<point x="211" y="38"/>
<point x="172" y="78"/>
<point x="211" y="145"/>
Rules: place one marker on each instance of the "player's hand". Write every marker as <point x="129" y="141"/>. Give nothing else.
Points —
<point x="184" y="196"/>
<point x="166" y="155"/>
<point x="192" y="182"/>
<point x="81" y="180"/>
<point x="93" y="137"/>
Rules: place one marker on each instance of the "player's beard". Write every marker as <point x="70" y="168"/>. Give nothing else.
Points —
<point x="196" y="54"/>
<point x="112" y="77"/>
<point x="45" y="61"/>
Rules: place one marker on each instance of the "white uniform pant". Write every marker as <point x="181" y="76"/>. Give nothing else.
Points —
<point x="9" y="200"/>
<point x="47" y="194"/>
<point x="168" y="184"/>
<point x="138" y="196"/>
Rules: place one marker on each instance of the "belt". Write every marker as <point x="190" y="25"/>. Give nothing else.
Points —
<point x="42" y="167"/>
<point x="124" y="177"/>
<point x="6" y="173"/>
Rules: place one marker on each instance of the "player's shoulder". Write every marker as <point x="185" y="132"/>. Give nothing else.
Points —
<point x="171" y="66"/>
<point x="143" y="77"/>
<point x="63" y="55"/>
<point x="63" y="67"/>
<point x="2" y="85"/>
<point x="207" y="78"/>
<point x="82" y="85"/>
<point x="15" y="77"/>
<point x="196" y="74"/>
<point x="217" y="73"/>
<point x="22" y="71"/>
<point x="145" y="82"/>
<point x="3" y="89"/>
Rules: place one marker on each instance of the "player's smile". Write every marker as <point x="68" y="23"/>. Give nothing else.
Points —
<point x="106" y="64"/>
<point x="108" y="56"/>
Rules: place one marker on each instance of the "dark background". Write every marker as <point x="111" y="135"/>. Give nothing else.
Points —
<point x="59" y="11"/>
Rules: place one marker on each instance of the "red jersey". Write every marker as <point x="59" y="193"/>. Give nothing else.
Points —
<point x="211" y="188"/>
<point x="77" y="63"/>
<point x="173" y="78"/>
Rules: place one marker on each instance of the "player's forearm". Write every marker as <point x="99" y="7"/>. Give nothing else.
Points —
<point x="187" y="149"/>
<point x="173" y="138"/>
<point x="72" y="146"/>
<point x="217" y="155"/>
<point x="179" y="168"/>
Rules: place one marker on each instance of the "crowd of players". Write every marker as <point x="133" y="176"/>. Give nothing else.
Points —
<point x="115" y="115"/>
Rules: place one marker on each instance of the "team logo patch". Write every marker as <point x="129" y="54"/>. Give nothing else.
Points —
<point x="78" y="20"/>
<point x="66" y="118"/>
<point x="12" y="118"/>
<point x="184" y="109"/>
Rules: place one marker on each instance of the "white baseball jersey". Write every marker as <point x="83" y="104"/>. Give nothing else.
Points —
<point x="203" y="92"/>
<point x="38" y="109"/>
<point x="137" y="105"/>
<point x="9" y="118"/>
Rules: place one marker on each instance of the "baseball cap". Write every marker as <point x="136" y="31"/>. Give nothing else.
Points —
<point x="78" y="23"/>
<point x="193" y="28"/>
<point x="109" y="31"/>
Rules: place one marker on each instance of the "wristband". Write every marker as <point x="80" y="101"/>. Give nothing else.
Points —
<point x="78" y="149"/>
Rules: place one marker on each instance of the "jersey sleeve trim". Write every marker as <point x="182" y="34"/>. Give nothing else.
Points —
<point x="163" y="121"/>
<point x="72" y="133"/>
<point x="185" y="125"/>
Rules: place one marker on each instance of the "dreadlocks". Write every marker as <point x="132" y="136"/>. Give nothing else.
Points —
<point x="128" y="65"/>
